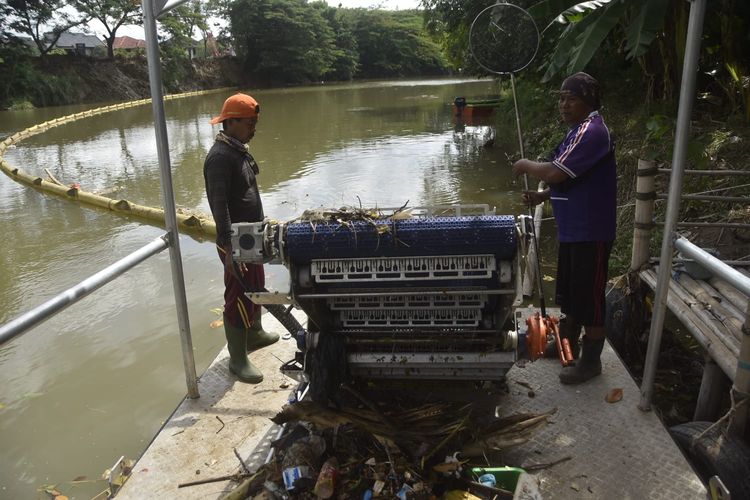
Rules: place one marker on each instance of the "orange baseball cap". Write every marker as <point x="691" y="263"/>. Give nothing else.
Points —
<point x="238" y="106"/>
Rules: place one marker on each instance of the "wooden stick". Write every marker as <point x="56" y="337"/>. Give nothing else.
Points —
<point x="231" y="477"/>
<point x="710" y="308"/>
<point x="716" y="308"/>
<point x="713" y="324"/>
<point x="46" y="170"/>
<point x="737" y="298"/>
<point x="705" y="337"/>
<point x="728" y="307"/>
<point x="242" y="462"/>
<point x="533" y="467"/>
<point x="644" y="214"/>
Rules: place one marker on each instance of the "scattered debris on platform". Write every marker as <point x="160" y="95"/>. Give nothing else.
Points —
<point x="395" y="448"/>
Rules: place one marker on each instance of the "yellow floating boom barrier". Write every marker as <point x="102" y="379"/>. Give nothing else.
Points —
<point x="186" y="222"/>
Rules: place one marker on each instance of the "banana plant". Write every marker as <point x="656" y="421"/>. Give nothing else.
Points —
<point x="585" y="25"/>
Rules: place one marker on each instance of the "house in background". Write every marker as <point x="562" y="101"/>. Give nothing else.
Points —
<point x="78" y="43"/>
<point x="128" y="44"/>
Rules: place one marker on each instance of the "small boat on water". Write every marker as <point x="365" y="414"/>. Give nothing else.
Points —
<point x="474" y="108"/>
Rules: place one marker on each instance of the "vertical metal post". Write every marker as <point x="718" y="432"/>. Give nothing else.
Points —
<point x="535" y="239"/>
<point x="165" y="173"/>
<point x="687" y="96"/>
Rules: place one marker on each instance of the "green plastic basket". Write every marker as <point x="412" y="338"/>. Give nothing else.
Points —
<point x="506" y="478"/>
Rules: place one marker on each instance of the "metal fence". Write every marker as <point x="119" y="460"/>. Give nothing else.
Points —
<point x="152" y="10"/>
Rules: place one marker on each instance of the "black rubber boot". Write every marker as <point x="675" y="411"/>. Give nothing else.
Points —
<point x="586" y="368"/>
<point x="257" y="337"/>
<point x="237" y="338"/>
<point x="569" y="331"/>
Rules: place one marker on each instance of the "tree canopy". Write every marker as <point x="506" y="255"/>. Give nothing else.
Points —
<point x="606" y="34"/>
<point x="293" y="41"/>
<point x="42" y="20"/>
<point x="112" y="14"/>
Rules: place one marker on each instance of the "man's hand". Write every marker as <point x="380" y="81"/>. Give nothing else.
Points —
<point x="521" y="167"/>
<point x="534" y="198"/>
<point x="230" y="266"/>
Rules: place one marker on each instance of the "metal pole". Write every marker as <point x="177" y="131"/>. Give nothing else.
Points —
<point x="164" y="6"/>
<point x="39" y="314"/>
<point x="714" y="265"/>
<point x="687" y="96"/>
<point x="722" y="173"/>
<point x="707" y="197"/>
<point x="170" y="217"/>
<point x="526" y="187"/>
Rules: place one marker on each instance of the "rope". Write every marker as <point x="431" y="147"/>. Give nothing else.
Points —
<point x="647" y="172"/>
<point x="732" y="409"/>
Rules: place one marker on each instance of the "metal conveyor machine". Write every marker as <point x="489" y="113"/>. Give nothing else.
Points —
<point x="422" y="293"/>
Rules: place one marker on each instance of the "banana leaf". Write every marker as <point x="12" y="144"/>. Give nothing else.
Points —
<point x="592" y="37"/>
<point x="646" y="25"/>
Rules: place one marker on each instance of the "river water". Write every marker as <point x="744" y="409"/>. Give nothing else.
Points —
<point x="97" y="381"/>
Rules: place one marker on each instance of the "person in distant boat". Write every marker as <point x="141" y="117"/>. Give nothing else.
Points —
<point x="230" y="174"/>
<point x="582" y="178"/>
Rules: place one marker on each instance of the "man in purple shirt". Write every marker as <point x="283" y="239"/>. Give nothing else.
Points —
<point x="582" y="178"/>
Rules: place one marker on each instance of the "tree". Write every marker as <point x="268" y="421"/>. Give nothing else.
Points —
<point x="283" y="40"/>
<point x="393" y="44"/>
<point x="111" y="14"/>
<point x="584" y="26"/>
<point x="180" y="25"/>
<point x="34" y="17"/>
<point x="448" y="22"/>
<point x="346" y="54"/>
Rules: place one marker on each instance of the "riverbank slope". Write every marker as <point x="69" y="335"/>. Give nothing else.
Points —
<point x="64" y="79"/>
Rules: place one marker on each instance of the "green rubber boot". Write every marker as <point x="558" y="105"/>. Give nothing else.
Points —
<point x="586" y="368"/>
<point x="237" y="338"/>
<point x="257" y="337"/>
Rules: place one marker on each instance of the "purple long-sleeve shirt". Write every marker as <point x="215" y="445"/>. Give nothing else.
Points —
<point x="585" y="204"/>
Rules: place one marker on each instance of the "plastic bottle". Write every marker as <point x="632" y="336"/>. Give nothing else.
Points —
<point x="326" y="482"/>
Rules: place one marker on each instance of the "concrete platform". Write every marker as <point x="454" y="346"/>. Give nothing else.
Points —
<point x="195" y="445"/>
<point x="616" y="450"/>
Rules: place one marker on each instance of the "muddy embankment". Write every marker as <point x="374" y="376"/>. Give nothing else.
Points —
<point x="81" y="80"/>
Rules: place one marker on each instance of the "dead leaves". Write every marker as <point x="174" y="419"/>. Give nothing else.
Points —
<point x="508" y="432"/>
<point x="614" y="395"/>
<point x="217" y="323"/>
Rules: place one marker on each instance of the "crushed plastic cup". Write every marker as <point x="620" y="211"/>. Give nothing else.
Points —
<point x="404" y="491"/>
<point x="292" y="475"/>
<point x="488" y="480"/>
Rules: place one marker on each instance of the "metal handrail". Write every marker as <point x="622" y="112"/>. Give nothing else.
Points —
<point x="165" y="174"/>
<point x="39" y="314"/>
<point x="713" y="265"/>
<point x="152" y="9"/>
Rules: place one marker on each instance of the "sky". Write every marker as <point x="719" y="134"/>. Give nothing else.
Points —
<point x="137" y="31"/>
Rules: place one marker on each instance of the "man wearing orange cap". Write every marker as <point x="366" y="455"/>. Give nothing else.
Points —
<point x="232" y="191"/>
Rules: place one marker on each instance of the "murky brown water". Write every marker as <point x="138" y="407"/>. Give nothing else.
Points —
<point x="97" y="381"/>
